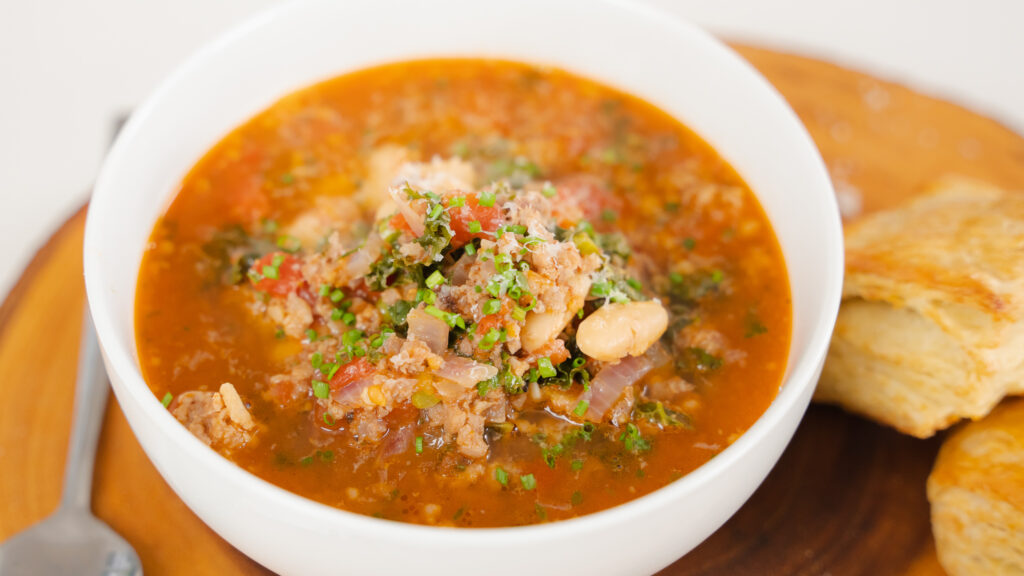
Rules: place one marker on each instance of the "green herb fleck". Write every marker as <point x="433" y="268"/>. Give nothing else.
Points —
<point x="435" y="279"/>
<point x="321" y="389"/>
<point x="492" y="307"/>
<point x="545" y="368"/>
<point x="632" y="439"/>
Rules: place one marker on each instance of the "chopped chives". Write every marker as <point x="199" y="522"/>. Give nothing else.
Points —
<point x="470" y="249"/>
<point x="348" y="318"/>
<point x="311" y="335"/>
<point x="270" y="272"/>
<point x="487" y="198"/>
<point x="435" y="279"/>
<point x="519" y="313"/>
<point x="321" y="389"/>
<point x="577" y="465"/>
<point x="474" y="227"/>
<point x="337" y="296"/>
<point x="457" y="202"/>
<point x="548" y="190"/>
<point x="545" y="368"/>
<point x="489" y="339"/>
<point x="435" y="312"/>
<point x="166" y="400"/>
<point x="419" y="444"/>
<point x="528" y="481"/>
<point x="581" y="408"/>
<point x="492" y="306"/>
<point x="501" y="476"/>
<point x="325" y="290"/>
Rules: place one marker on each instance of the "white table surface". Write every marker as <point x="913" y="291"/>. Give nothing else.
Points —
<point x="68" y="68"/>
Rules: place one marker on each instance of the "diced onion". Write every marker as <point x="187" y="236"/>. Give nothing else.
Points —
<point x="607" y="386"/>
<point x="428" y="329"/>
<point x="465" y="372"/>
<point x="358" y="263"/>
<point x="460" y="271"/>
<point x="353" y="391"/>
<point x="398" y="441"/>
<point x="413" y="218"/>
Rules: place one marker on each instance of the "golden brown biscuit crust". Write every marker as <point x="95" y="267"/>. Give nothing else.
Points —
<point x="977" y="494"/>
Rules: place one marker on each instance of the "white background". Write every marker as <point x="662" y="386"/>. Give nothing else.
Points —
<point x="69" y="67"/>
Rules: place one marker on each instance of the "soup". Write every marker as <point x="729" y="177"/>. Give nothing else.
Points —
<point x="464" y="292"/>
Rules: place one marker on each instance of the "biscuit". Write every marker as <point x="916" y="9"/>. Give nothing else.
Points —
<point x="931" y="327"/>
<point x="976" y="490"/>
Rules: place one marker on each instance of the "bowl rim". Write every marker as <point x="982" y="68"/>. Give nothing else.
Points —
<point x="800" y="375"/>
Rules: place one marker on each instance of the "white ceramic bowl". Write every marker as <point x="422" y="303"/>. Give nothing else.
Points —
<point x="667" y="62"/>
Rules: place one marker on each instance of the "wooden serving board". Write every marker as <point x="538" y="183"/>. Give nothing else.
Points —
<point x="847" y="498"/>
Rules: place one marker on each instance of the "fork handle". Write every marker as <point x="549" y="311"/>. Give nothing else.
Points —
<point x="90" y="402"/>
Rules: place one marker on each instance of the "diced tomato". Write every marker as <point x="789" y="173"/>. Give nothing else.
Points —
<point x="240" y="186"/>
<point x="489" y="218"/>
<point x="554" y="350"/>
<point x="349" y="373"/>
<point x="583" y="192"/>
<point x="288" y="272"/>
<point x="488" y="322"/>
<point x="398" y="223"/>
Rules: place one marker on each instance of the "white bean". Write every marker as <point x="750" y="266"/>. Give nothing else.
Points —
<point x="542" y="327"/>
<point x="616" y="330"/>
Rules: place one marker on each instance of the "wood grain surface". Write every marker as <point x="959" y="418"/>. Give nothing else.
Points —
<point x="847" y="498"/>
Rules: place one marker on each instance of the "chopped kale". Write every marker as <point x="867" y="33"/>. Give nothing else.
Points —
<point x="697" y="361"/>
<point x="656" y="413"/>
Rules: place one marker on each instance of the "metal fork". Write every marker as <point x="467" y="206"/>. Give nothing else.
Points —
<point x="72" y="540"/>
